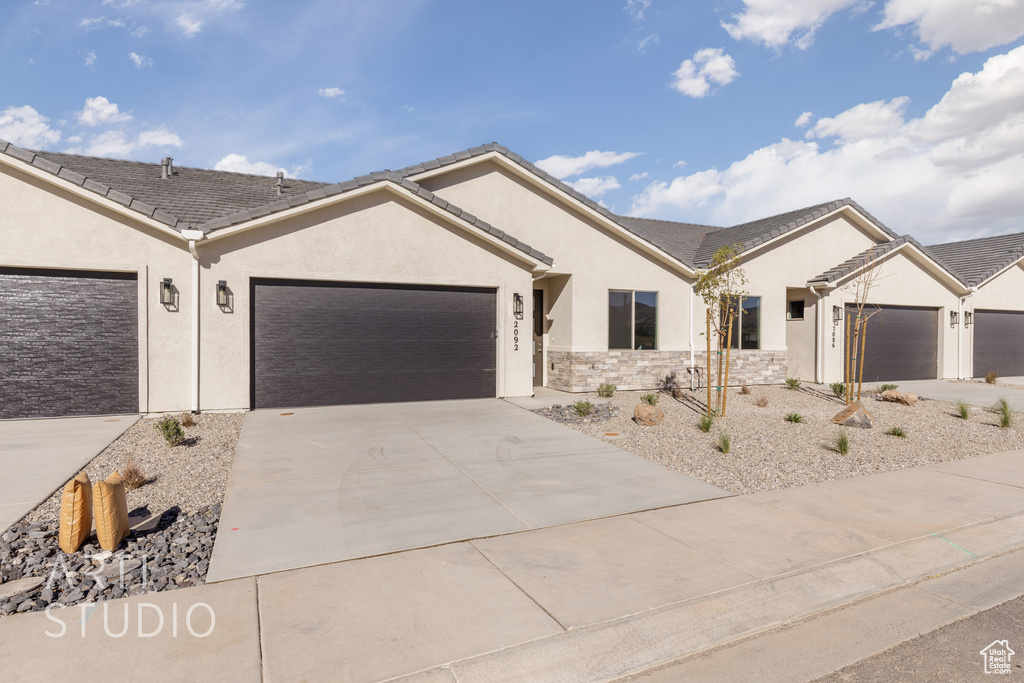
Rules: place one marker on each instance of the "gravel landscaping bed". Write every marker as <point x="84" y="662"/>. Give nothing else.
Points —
<point x="182" y="499"/>
<point x="768" y="453"/>
<point x="568" y="414"/>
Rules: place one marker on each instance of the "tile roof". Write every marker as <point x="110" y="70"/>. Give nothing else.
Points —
<point x="211" y="200"/>
<point x="878" y="251"/>
<point x="975" y="261"/>
<point x="681" y="240"/>
<point x="749" y="235"/>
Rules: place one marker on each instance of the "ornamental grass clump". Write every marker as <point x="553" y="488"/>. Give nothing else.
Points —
<point x="838" y="389"/>
<point x="706" y="422"/>
<point x="792" y="383"/>
<point x="842" y="444"/>
<point x="131" y="474"/>
<point x="897" y="431"/>
<point x="963" y="410"/>
<point x="1002" y="409"/>
<point x="724" y="443"/>
<point x="171" y="430"/>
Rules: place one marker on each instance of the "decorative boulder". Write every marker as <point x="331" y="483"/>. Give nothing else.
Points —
<point x="648" y="415"/>
<point x="891" y="396"/>
<point x="855" y="415"/>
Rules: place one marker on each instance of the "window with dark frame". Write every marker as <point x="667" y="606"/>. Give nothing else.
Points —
<point x="746" y="326"/>
<point x="632" y="320"/>
<point x="796" y="310"/>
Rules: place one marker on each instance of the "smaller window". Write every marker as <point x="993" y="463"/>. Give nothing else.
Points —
<point x="796" y="310"/>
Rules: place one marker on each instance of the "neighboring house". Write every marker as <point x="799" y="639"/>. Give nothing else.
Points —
<point x="127" y="287"/>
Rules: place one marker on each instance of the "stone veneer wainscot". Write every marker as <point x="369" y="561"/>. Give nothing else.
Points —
<point x="580" y="371"/>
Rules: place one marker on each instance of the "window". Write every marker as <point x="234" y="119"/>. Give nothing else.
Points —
<point x="796" y="310"/>
<point x="746" y="326"/>
<point x="632" y="320"/>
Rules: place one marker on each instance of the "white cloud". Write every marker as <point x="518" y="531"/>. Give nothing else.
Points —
<point x="647" y="43"/>
<point x="803" y="119"/>
<point x="709" y="65"/>
<point x="140" y="60"/>
<point x="864" y="121"/>
<point x="239" y="164"/>
<point x="774" y="23"/>
<point x="90" y="57"/>
<point x="122" y="145"/>
<point x="189" y="23"/>
<point x="100" y="110"/>
<point x="679" y="164"/>
<point x="637" y="176"/>
<point x="963" y="25"/>
<point x="952" y="172"/>
<point x="330" y="92"/>
<point x="637" y="8"/>
<point x="25" y="127"/>
<point x="566" y="167"/>
<point x="596" y="187"/>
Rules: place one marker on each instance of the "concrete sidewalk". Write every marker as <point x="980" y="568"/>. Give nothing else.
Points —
<point x="605" y="599"/>
<point x="974" y="393"/>
<point x="38" y="456"/>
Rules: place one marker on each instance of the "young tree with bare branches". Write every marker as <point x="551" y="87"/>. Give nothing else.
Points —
<point x="721" y="286"/>
<point x="860" y="287"/>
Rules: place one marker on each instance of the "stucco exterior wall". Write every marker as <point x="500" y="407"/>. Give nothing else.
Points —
<point x="597" y="259"/>
<point x="378" y="237"/>
<point x="902" y="282"/>
<point x="45" y="226"/>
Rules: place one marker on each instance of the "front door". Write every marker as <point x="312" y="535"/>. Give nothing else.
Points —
<point x="538" y="338"/>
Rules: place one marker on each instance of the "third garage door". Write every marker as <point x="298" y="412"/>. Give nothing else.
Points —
<point x="998" y="343"/>
<point x="332" y="343"/>
<point x="902" y="343"/>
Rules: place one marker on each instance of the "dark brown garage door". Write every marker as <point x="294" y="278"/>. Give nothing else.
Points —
<point x="999" y="343"/>
<point x="68" y="343"/>
<point x="329" y="343"/>
<point x="902" y="343"/>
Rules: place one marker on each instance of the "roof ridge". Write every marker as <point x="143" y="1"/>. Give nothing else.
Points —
<point x="664" y="220"/>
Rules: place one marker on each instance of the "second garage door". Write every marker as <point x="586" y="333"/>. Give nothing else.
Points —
<point x="998" y="343"/>
<point x="902" y="343"/>
<point x="329" y="343"/>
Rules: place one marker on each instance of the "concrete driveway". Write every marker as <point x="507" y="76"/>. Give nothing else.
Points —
<point x="975" y="393"/>
<point x="37" y="457"/>
<point x="317" y="485"/>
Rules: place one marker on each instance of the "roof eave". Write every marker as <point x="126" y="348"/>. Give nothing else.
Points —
<point x="552" y="190"/>
<point x="951" y="280"/>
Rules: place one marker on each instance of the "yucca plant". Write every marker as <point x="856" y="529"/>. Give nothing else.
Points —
<point x="795" y="417"/>
<point x="897" y="431"/>
<point x="792" y="383"/>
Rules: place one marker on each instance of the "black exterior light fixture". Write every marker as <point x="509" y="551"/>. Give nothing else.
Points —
<point x="954" y="318"/>
<point x="968" y="318"/>
<point x="166" y="292"/>
<point x="222" y="293"/>
<point x="837" y="314"/>
<point x="517" y="305"/>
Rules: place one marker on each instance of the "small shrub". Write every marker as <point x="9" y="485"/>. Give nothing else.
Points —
<point x="991" y="376"/>
<point x="171" y="430"/>
<point x="650" y="399"/>
<point x="842" y="444"/>
<point x="187" y="420"/>
<point x="839" y="389"/>
<point x="888" y="387"/>
<point x="1002" y="408"/>
<point x="795" y="417"/>
<point x="761" y="401"/>
<point x="606" y="390"/>
<point x="744" y="389"/>
<point x="583" y="408"/>
<point x="132" y="475"/>
<point x="963" y="410"/>
<point x="792" y="383"/>
<point x="897" y="431"/>
<point x="724" y="443"/>
<point x="706" y="421"/>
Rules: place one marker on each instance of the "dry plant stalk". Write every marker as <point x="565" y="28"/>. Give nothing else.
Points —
<point x="131" y="474"/>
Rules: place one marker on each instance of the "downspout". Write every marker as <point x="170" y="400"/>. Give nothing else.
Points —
<point x="194" y="236"/>
<point x="959" y="336"/>
<point x="690" y="293"/>
<point x="819" y="339"/>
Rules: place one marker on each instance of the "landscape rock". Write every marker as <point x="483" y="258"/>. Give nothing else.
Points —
<point x="855" y="415"/>
<point x="892" y="396"/>
<point x="20" y="586"/>
<point x="648" y="415"/>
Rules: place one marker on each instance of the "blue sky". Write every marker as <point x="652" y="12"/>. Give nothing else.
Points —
<point x="710" y="112"/>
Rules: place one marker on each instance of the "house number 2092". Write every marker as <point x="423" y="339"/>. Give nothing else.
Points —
<point x="515" y="335"/>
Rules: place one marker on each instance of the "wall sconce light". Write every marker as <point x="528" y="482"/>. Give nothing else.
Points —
<point x="166" y="292"/>
<point x="517" y="305"/>
<point x="968" y="318"/>
<point x="222" y="293"/>
<point x="837" y="314"/>
<point x="954" y="318"/>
